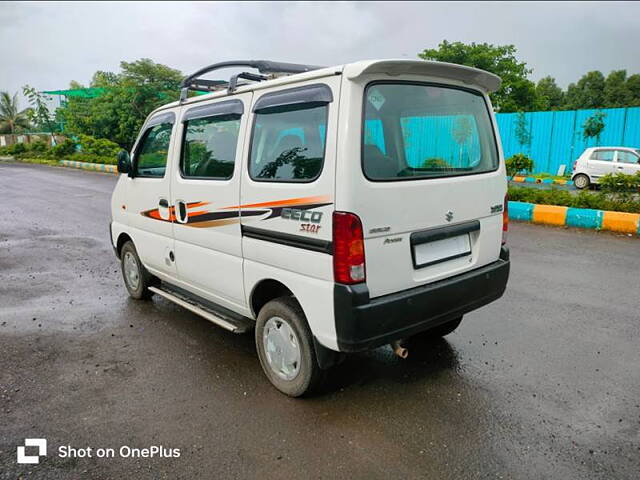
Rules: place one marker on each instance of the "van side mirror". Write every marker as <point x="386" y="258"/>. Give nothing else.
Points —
<point x="124" y="162"/>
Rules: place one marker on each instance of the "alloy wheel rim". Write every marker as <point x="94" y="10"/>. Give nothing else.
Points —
<point x="282" y="348"/>
<point x="131" y="271"/>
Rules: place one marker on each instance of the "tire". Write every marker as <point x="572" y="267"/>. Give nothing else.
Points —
<point x="581" y="181"/>
<point x="435" y="333"/>
<point x="296" y="372"/>
<point x="136" y="278"/>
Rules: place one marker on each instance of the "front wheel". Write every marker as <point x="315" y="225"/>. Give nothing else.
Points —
<point x="581" y="181"/>
<point x="285" y="347"/>
<point x="136" y="278"/>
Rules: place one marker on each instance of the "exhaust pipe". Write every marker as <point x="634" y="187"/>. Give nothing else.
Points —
<point x="398" y="349"/>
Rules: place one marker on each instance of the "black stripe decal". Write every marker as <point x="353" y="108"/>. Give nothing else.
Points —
<point x="297" y="241"/>
<point x="205" y="217"/>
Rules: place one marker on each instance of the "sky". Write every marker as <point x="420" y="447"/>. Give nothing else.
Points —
<point x="48" y="44"/>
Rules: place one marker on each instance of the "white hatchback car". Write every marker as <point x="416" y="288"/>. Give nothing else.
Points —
<point x="596" y="162"/>
<point x="333" y="209"/>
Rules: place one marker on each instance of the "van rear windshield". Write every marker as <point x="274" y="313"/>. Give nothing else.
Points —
<point x="414" y="131"/>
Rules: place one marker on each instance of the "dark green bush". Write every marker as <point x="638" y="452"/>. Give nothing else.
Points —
<point x="16" y="148"/>
<point x="39" y="146"/>
<point x="518" y="163"/>
<point x="64" y="149"/>
<point x="620" y="183"/>
<point x="98" y="146"/>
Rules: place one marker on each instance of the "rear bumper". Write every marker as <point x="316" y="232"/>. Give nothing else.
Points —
<point x="362" y="324"/>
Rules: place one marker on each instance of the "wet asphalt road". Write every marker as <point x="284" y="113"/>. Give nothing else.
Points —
<point x="544" y="383"/>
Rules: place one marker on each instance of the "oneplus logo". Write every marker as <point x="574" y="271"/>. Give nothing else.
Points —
<point x="41" y="443"/>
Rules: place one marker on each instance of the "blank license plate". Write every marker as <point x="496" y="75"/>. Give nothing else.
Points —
<point x="438" y="251"/>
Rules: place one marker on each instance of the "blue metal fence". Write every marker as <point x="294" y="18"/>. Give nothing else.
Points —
<point x="556" y="137"/>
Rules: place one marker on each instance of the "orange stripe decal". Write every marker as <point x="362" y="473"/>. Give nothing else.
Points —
<point x="283" y="203"/>
<point x="197" y="204"/>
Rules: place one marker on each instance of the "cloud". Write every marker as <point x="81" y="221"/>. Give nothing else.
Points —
<point x="49" y="44"/>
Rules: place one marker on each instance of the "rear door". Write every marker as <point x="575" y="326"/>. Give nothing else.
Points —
<point x="205" y="193"/>
<point x="431" y="187"/>
<point x="287" y="192"/>
<point x="627" y="162"/>
<point x="601" y="162"/>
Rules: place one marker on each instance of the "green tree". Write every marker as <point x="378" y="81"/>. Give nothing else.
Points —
<point x="117" y="114"/>
<point x="103" y="79"/>
<point x="587" y="93"/>
<point x="517" y="91"/>
<point x="518" y="163"/>
<point x="12" y="119"/>
<point x="593" y="126"/>
<point x="549" y="95"/>
<point x="616" y="90"/>
<point x="633" y="85"/>
<point x="39" y="114"/>
<point x="522" y="131"/>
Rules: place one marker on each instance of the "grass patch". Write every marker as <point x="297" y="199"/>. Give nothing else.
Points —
<point x="552" y="177"/>
<point x="38" y="161"/>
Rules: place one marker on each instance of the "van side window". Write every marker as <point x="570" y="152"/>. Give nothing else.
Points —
<point x="602" y="155"/>
<point x="151" y="155"/>
<point x="209" y="147"/>
<point x="288" y="145"/>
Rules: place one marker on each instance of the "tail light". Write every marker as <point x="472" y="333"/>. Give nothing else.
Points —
<point x="505" y="219"/>
<point x="574" y="165"/>
<point x="348" y="249"/>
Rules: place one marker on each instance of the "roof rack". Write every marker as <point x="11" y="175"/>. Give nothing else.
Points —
<point x="266" y="68"/>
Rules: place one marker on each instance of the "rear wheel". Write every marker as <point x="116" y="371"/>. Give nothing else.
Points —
<point x="136" y="278"/>
<point x="581" y="181"/>
<point x="285" y="347"/>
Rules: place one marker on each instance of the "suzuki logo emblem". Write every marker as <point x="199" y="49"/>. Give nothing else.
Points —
<point x="449" y="216"/>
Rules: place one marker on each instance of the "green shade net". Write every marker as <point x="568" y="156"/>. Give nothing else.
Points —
<point x="95" y="92"/>
<point x="78" y="92"/>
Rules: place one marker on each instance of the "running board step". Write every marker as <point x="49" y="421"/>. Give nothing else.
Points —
<point x="233" y="323"/>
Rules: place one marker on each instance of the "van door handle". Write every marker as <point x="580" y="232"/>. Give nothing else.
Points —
<point x="181" y="211"/>
<point x="163" y="209"/>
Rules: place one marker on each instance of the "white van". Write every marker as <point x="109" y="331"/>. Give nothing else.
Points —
<point x="333" y="209"/>
<point x="596" y="162"/>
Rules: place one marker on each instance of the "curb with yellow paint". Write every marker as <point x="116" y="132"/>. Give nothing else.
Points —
<point x="575" y="217"/>
<point x="96" y="167"/>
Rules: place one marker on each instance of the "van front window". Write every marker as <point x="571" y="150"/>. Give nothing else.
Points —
<point x="416" y="131"/>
